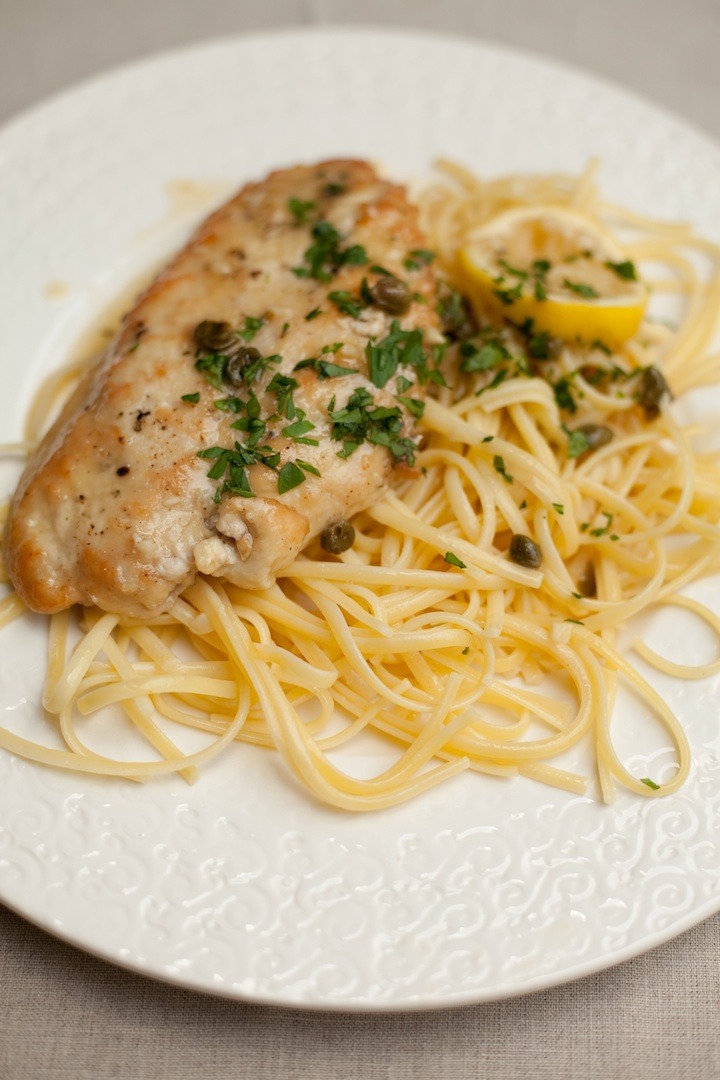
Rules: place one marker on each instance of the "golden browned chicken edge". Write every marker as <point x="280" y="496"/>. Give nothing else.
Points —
<point x="177" y="456"/>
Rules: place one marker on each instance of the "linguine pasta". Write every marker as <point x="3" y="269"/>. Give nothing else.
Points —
<point x="425" y="631"/>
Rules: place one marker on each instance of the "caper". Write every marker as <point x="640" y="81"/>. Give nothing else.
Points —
<point x="391" y="294"/>
<point x="587" y="585"/>
<point x="596" y="435"/>
<point x="236" y="365"/>
<point x="652" y="388"/>
<point x="214" y="336"/>
<point x="456" y="317"/>
<point x="525" y="552"/>
<point x="337" y="537"/>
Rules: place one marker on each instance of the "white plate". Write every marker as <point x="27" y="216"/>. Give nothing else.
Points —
<point x="242" y="885"/>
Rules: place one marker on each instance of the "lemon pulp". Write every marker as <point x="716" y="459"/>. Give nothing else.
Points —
<point x="556" y="268"/>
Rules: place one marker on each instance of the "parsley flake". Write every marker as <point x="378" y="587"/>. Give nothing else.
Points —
<point x="586" y="291"/>
<point x="298" y="430"/>
<point x="400" y="348"/>
<point x="300" y="209"/>
<point x="213" y="368"/>
<point x="324" y="257"/>
<point x="418" y="258"/>
<point x="250" y="328"/>
<point x="487" y="356"/>
<point x="577" y="444"/>
<point x="602" y="530"/>
<point x="283" y="387"/>
<point x="454" y="561"/>
<point x="415" y="407"/>
<point x="346" y="303"/>
<point x="361" y="420"/>
<point x="290" y="476"/>
<point x="563" y="395"/>
<point x="625" y="270"/>
<point x="499" y="466"/>
<point x="325" y="369"/>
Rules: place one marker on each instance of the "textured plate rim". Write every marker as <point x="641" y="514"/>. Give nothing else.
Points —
<point x="39" y="112"/>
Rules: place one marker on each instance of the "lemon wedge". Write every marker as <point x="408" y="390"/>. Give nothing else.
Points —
<point x="559" y="269"/>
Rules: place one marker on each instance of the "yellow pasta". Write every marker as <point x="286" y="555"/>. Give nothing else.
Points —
<point x="425" y="631"/>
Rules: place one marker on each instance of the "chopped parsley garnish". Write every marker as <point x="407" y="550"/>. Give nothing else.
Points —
<point x="285" y="328"/>
<point x="601" y="531"/>
<point x="290" y="476"/>
<point x="559" y="508"/>
<point x="586" y="291"/>
<point x="400" y="347"/>
<point x="283" y="387"/>
<point x="313" y="314"/>
<point x="415" y="407"/>
<point x="251" y="328"/>
<point x="522" y="366"/>
<point x="231" y="465"/>
<point x="307" y="467"/>
<point x="418" y="258"/>
<point x="300" y="209"/>
<point x="563" y="395"/>
<point x="251" y="423"/>
<point x="361" y="420"/>
<point x="513" y="271"/>
<point x="597" y="344"/>
<point x="454" y="561"/>
<point x="366" y="293"/>
<point x="230" y="404"/>
<point x="192" y="399"/>
<point x="501" y="375"/>
<point x="576" y="621"/>
<point x="257" y="366"/>
<point x="325" y="369"/>
<point x="509" y="296"/>
<point x="213" y="367"/>
<point x="539" y="345"/>
<point x="578" y="442"/>
<point x="298" y="430"/>
<point x="499" y="466"/>
<point x="540" y="268"/>
<point x="455" y="315"/>
<point x="537" y="272"/>
<point x="484" y="357"/>
<point x="625" y="270"/>
<point x="324" y="257"/>
<point x="346" y="303"/>
<point x="650" y="783"/>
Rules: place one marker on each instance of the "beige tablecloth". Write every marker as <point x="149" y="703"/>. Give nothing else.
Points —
<point x="68" y="1016"/>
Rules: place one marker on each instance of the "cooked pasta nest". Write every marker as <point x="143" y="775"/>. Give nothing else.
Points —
<point x="425" y="631"/>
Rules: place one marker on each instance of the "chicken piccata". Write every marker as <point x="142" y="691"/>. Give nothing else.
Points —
<point x="262" y="391"/>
